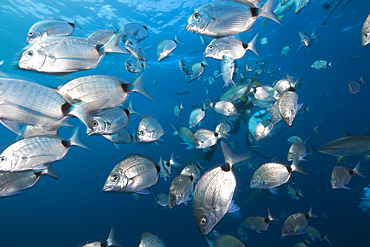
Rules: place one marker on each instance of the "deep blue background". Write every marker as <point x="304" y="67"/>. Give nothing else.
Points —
<point x="72" y="210"/>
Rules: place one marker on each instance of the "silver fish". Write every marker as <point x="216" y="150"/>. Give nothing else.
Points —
<point x="65" y="54"/>
<point x="177" y="109"/>
<point x="25" y="102"/>
<point x="227" y="70"/>
<point x="354" y="86"/>
<point x="231" y="47"/>
<point x="258" y="223"/>
<point x="300" y="4"/>
<point x="226" y="18"/>
<point x="315" y="234"/>
<point x="294" y="139"/>
<point x="134" y="65"/>
<point x="242" y="234"/>
<point x="101" y="36"/>
<point x="275" y="114"/>
<point x="187" y="136"/>
<point x="14" y="182"/>
<point x="223" y="129"/>
<point x="225" y="240"/>
<point x="185" y="67"/>
<point x="162" y="199"/>
<point x="214" y="191"/>
<point x="149" y="129"/>
<point x="35" y="153"/>
<point x="226" y="108"/>
<point x="196" y="116"/>
<point x="150" y="240"/>
<point x="365" y="32"/>
<point x="135" y="31"/>
<point x="120" y="137"/>
<point x="263" y="129"/>
<point x="50" y="27"/>
<point x="274" y="174"/>
<point x="266" y="93"/>
<point x="192" y="170"/>
<point x="307" y="40"/>
<point x="297" y="148"/>
<point x="235" y="93"/>
<point x="111" y="240"/>
<point x="134" y="174"/>
<point x="180" y="189"/>
<point x="285" y="84"/>
<point x="165" y="47"/>
<point x="288" y="106"/>
<point x="135" y="49"/>
<point x="321" y="64"/>
<point x="206" y="138"/>
<point x="166" y="166"/>
<point x="197" y="69"/>
<point x="286" y="50"/>
<point x="296" y="223"/>
<point x="341" y="176"/>
<point x="109" y="121"/>
<point x="294" y="193"/>
<point x="34" y="130"/>
<point x="99" y="92"/>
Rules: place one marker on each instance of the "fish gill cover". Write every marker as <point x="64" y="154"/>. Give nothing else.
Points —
<point x="324" y="44"/>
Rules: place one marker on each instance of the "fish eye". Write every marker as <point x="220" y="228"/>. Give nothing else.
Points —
<point x="141" y="132"/>
<point x="94" y="123"/>
<point x="203" y="221"/>
<point x="365" y="35"/>
<point x="210" y="47"/>
<point x="115" y="178"/>
<point x="29" y="53"/>
<point x="2" y="158"/>
<point x="30" y="34"/>
<point x="130" y="43"/>
<point x="196" y="15"/>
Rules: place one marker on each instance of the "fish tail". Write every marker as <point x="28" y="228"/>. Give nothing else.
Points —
<point x="326" y="238"/>
<point x="267" y="11"/>
<point x="50" y="172"/>
<point x="83" y="111"/>
<point x="291" y="81"/>
<point x="77" y="25"/>
<point x="113" y="44"/>
<point x="177" y="40"/>
<point x="362" y="80"/>
<point x="310" y="214"/>
<point x="175" y="133"/>
<point x="138" y="86"/>
<point x="269" y="215"/>
<point x="357" y="170"/>
<point x="75" y="140"/>
<point x="295" y="165"/>
<point x="252" y="46"/>
<point x="230" y="157"/>
<point x="330" y="63"/>
<point x="131" y="109"/>
<point x="111" y="240"/>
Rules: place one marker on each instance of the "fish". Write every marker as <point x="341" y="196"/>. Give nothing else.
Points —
<point x="177" y="109"/>
<point x="263" y="129"/>
<point x="223" y="129"/>
<point x="49" y="28"/>
<point x="134" y="65"/>
<point x="346" y="146"/>
<point x="66" y="54"/>
<point x="284" y="84"/>
<point x="99" y="92"/>
<point x="315" y="234"/>
<point x="266" y="93"/>
<point x="288" y="106"/>
<point x="227" y="70"/>
<point x="197" y="70"/>
<point x="306" y="40"/>
<point x="121" y="137"/>
<point x="136" y="50"/>
<point x="225" y="240"/>
<point x="111" y="240"/>
<point x="135" y="31"/>
<point x="264" y="41"/>
<point x="331" y="11"/>
<point x="180" y="189"/>
<point x="227" y="18"/>
<point x="274" y="174"/>
<point x="162" y="199"/>
<point x="301" y="244"/>
<point x="206" y="138"/>
<point x="192" y="170"/>
<point x="101" y="37"/>
<point x="296" y="223"/>
<point x="275" y="114"/>
<point x="14" y="182"/>
<point x="319" y="129"/>
<point x="321" y="64"/>
<point x="235" y="93"/>
<point x="165" y="47"/>
<point x="196" y="116"/>
<point x="294" y="139"/>
<point x="297" y="148"/>
<point x="25" y="102"/>
<point x="35" y="153"/>
<point x="187" y="136"/>
<point x="242" y="234"/>
<point x="341" y="176"/>
<point x="149" y="130"/>
<point x="300" y="4"/>
<point x="149" y="239"/>
<point x="225" y="108"/>
<point x="258" y="223"/>
<point x="286" y="50"/>
<point x="135" y="174"/>
<point x="365" y="32"/>
<point x="182" y="93"/>
<point x="214" y="191"/>
<point x="34" y="130"/>
<point x="166" y="166"/>
<point x="109" y="121"/>
<point x="185" y="67"/>
<point x="294" y="193"/>
<point x="354" y="86"/>
<point x="231" y="47"/>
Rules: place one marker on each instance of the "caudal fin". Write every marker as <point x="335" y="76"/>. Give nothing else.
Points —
<point x="112" y="238"/>
<point x="357" y="170"/>
<point x="230" y="157"/>
<point x="76" y="141"/>
<point x="267" y="11"/>
<point x="252" y="45"/>
<point x="138" y="86"/>
<point x="295" y="165"/>
<point x="114" y="45"/>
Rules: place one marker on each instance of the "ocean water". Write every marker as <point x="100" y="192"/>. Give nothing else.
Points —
<point x="73" y="209"/>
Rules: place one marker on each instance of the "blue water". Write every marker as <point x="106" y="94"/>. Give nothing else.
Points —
<point x="72" y="209"/>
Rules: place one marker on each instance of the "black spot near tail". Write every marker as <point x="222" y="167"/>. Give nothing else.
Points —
<point x="226" y="167"/>
<point x="65" y="143"/>
<point x="127" y="112"/>
<point x="65" y="108"/>
<point x="245" y="46"/>
<point x="254" y="12"/>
